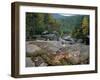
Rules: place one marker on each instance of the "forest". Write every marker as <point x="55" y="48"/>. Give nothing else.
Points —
<point x="77" y="26"/>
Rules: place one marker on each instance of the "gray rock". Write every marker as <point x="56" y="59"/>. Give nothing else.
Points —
<point x="31" y="48"/>
<point x="56" y="45"/>
<point x="39" y="61"/>
<point x="84" y="52"/>
<point x="79" y="41"/>
<point x="29" y="62"/>
<point x="43" y="64"/>
<point x="75" y="57"/>
<point x="79" y="52"/>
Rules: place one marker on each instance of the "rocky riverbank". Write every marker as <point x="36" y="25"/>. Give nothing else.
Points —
<point x="52" y="53"/>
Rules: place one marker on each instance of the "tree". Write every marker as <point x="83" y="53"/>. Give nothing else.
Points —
<point x="85" y="29"/>
<point x="39" y="23"/>
<point x="85" y="26"/>
<point x="36" y="23"/>
<point x="51" y="23"/>
<point x="29" y="25"/>
<point x="82" y="31"/>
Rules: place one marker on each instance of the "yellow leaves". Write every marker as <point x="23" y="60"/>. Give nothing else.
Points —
<point x="85" y="22"/>
<point x="85" y="25"/>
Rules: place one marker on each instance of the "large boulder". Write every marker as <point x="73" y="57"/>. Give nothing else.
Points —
<point x="29" y="62"/>
<point x="84" y="52"/>
<point x="74" y="57"/>
<point x="54" y="46"/>
<point x="79" y="53"/>
<point x="31" y="48"/>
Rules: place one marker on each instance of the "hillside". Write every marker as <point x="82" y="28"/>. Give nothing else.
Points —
<point x="68" y="23"/>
